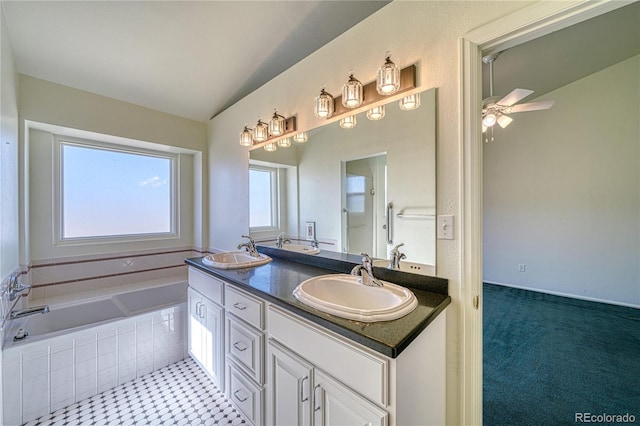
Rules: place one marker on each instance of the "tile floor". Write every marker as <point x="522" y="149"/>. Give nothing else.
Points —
<point x="180" y="394"/>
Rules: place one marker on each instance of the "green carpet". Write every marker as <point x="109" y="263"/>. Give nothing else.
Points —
<point x="546" y="358"/>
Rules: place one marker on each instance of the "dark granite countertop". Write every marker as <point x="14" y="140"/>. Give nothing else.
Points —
<point x="276" y="280"/>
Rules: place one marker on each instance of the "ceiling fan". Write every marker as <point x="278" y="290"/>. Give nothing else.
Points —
<point x="496" y="108"/>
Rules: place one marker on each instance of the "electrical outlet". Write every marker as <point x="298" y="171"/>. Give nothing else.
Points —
<point x="522" y="267"/>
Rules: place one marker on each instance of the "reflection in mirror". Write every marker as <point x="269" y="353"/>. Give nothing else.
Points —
<point x="385" y="167"/>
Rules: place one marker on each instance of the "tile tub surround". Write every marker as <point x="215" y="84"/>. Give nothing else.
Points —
<point x="276" y="280"/>
<point x="44" y="376"/>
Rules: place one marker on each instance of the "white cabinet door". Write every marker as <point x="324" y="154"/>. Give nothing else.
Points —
<point x="336" y="405"/>
<point x="288" y="388"/>
<point x="206" y="335"/>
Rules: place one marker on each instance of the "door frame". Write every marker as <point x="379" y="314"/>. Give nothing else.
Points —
<point x="524" y="25"/>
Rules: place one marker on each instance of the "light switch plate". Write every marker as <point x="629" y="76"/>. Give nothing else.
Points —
<point x="445" y="227"/>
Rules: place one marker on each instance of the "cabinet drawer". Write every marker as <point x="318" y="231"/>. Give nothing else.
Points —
<point x="362" y="370"/>
<point x="211" y="287"/>
<point x="245" y="395"/>
<point x="246" y="346"/>
<point x="244" y="306"/>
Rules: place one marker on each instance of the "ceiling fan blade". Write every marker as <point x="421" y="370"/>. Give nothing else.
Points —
<point x="532" y="106"/>
<point x="514" y="96"/>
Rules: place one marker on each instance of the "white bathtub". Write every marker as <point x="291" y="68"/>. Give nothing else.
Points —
<point x="74" y="352"/>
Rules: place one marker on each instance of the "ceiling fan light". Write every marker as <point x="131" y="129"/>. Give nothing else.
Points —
<point x="284" y="143"/>
<point x="348" y="122"/>
<point x="388" y="77"/>
<point x="300" y="137"/>
<point x="323" y="105"/>
<point x="376" y="113"/>
<point x="352" y="96"/>
<point x="489" y="120"/>
<point x="276" y="124"/>
<point x="410" y="102"/>
<point x="261" y="131"/>
<point x="504" y="120"/>
<point x="270" y="147"/>
<point x="246" y="137"/>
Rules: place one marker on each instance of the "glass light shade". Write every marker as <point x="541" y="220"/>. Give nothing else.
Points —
<point x="348" y="122"/>
<point x="300" y="137"/>
<point x="376" y="113"/>
<point x="388" y="78"/>
<point x="489" y="120"/>
<point x="323" y="105"/>
<point x="284" y="143"/>
<point x="246" y="138"/>
<point x="271" y="146"/>
<point x="352" y="95"/>
<point x="504" y="121"/>
<point x="261" y="132"/>
<point x="277" y="124"/>
<point x="410" y="102"/>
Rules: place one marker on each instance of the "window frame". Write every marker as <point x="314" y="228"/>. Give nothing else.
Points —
<point x="58" y="192"/>
<point x="275" y="199"/>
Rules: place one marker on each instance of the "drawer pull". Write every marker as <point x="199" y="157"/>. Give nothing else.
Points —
<point x="239" y="306"/>
<point x="302" y="397"/>
<point x="239" y="346"/>
<point x="238" y="397"/>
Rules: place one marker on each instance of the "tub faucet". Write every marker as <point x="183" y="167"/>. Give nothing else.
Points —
<point x="395" y="256"/>
<point x="365" y="271"/>
<point x="250" y="246"/>
<point x="14" y="288"/>
<point x="282" y="240"/>
<point x="19" y="313"/>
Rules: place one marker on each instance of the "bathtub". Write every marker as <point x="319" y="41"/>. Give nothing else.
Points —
<point x="76" y="351"/>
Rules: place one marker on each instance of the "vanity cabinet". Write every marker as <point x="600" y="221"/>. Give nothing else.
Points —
<point x="245" y="351"/>
<point x="206" y="326"/>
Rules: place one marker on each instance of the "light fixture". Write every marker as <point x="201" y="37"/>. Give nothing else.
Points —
<point x="246" y="136"/>
<point x="410" y="102"/>
<point x="276" y="124"/>
<point x="376" y="113"/>
<point x="352" y="95"/>
<point x="271" y="146"/>
<point x="300" y="137"/>
<point x="388" y="77"/>
<point x="261" y="131"/>
<point x="323" y="105"/>
<point x="348" y="122"/>
<point x="284" y="143"/>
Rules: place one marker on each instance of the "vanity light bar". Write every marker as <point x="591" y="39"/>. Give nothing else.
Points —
<point x="289" y="130"/>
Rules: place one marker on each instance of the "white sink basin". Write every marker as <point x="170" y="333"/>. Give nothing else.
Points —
<point x="345" y="296"/>
<point x="301" y="248"/>
<point x="234" y="260"/>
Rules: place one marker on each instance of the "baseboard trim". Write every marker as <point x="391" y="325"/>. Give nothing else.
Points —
<point x="569" y="295"/>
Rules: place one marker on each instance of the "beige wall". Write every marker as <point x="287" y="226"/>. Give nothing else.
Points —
<point x="422" y="33"/>
<point x="562" y="192"/>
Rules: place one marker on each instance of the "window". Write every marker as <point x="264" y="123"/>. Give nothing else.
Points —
<point x="356" y="187"/>
<point x="263" y="204"/>
<point x="108" y="191"/>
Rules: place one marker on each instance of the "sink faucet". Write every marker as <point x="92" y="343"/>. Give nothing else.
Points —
<point x="365" y="271"/>
<point x="250" y="246"/>
<point x="19" y="313"/>
<point x="282" y="240"/>
<point x="395" y="256"/>
<point x="14" y="288"/>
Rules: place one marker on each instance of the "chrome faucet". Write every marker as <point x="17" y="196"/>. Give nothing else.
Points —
<point x="365" y="271"/>
<point x="395" y="256"/>
<point x="282" y="240"/>
<point x="14" y="288"/>
<point x="19" y="313"/>
<point x="250" y="246"/>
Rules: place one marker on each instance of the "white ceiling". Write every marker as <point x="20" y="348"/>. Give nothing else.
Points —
<point x="564" y="56"/>
<point x="188" y="58"/>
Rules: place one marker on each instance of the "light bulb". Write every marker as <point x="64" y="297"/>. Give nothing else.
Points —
<point x="246" y="138"/>
<point x="284" y="143"/>
<point x="261" y="131"/>
<point x="276" y="124"/>
<point x="352" y="96"/>
<point x="376" y="113"/>
<point x="300" y="137"/>
<point x="489" y="120"/>
<point x="388" y="77"/>
<point x="410" y="102"/>
<point x="348" y="122"/>
<point x="323" y="105"/>
<point x="271" y="146"/>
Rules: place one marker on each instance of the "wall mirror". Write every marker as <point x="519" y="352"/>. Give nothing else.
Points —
<point x="364" y="189"/>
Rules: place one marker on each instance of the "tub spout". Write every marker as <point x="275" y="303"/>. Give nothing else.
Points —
<point x="19" y="313"/>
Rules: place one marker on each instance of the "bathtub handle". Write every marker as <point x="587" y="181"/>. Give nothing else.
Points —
<point x="238" y="346"/>
<point x="239" y="398"/>
<point x="239" y="306"/>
